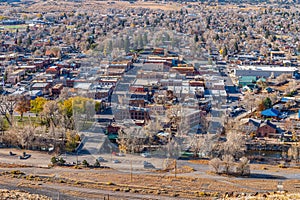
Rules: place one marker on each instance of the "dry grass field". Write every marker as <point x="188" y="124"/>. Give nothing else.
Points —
<point x="76" y="181"/>
<point x="155" y="6"/>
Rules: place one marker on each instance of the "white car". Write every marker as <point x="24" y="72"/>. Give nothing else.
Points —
<point x="146" y="155"/>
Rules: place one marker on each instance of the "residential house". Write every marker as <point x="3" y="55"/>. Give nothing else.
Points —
<point x="56" y="89"/>
<point x="44" y="87"/>
<point x="266" y="129"/>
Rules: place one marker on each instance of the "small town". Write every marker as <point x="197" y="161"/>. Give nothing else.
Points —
<point x="201" y="96"/>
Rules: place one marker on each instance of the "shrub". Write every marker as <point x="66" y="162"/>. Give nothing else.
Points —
<point x="85" y="163"/>
<point x="97" y="163"/>
<point x="282" y="166"/>
<point x="54" y="160"/>
<point x="17" y="172"/>
<point x="61" y="161"/>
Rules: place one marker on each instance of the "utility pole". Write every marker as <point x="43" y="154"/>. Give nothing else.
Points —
<point x="131" y="170"/>
<point x="76" y="158"/>
<point x="175" y="162"/>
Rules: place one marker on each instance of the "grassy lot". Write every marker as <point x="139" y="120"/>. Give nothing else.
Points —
<point x="27" y="120"/>
<point x="21" y="26"/>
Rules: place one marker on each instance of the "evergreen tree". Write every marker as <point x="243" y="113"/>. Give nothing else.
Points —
<point x="196" y="38"/>
<point x="236" y="47"/>
<point x="145" y="38"/>
<point x="127" y="44"/>
<point x="29" y="40"/>
<point x="224" y="51"/>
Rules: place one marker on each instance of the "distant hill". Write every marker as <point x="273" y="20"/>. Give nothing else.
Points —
<point x="9" y="1"/>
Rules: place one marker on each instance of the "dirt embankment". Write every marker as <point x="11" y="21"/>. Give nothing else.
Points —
<point x="20" y="195"/>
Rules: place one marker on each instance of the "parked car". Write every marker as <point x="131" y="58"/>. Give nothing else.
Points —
<point x="146" y="155"/>
<point x="120" y="154"/>
<point x="25" y="156"/>
<point x="148" y="165"/>
<point x="100" y="159"/>
<point x="116" y="161"/>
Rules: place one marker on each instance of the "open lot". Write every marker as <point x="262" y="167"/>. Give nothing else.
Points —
<point x="138" y="183"/>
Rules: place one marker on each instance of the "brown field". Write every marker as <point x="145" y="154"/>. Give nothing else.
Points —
<point x="188" y="186"/>
<point x="156" y="6"/>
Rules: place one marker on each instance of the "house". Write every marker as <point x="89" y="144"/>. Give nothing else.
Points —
<point x="34" y="94"/>
<point x="29" y="68"/>
<point x="56" y="89"/>
<point x="156" y="109"/>
<point x="247" y="80"/>
<point x="120" y="65"/>
<point x="53" y="70"/>
<point x="15" y="76"/>
<point x="44" y="87"/>
<point x="112" y="128"/>
<point x="134" y="113"/>
<point x="271" y="112"/>
<point x="137" y="102"/>
<point x="266" y="129"/>
<point x="278" y="55"/>
<point x="103" y="93"/>
<point x="250" y="126"/>
<point x="107" y="81"/>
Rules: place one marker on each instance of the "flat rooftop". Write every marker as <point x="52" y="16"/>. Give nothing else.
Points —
<point x="267" y="68"/>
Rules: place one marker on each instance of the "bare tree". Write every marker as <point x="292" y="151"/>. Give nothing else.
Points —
<point x="227" y="161"/>
<point x="235" y="145"/>
<point x="7" y="106"/>
<point x="50" y="113"/>
<point x="203" y="145"/>
<point x="243" y="167"/>
<point x="65" y="94"/>
<point x="216" y="163"/>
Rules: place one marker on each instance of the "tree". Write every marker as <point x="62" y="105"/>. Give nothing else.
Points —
<point x="227" y="161"/>
<point x="236" y="47"/>
<point x="249" y="101"/>
<point x="50" y="113"/>
<point x="267" y="34"/>
<point x="145" y="38"/>
<point x="73" y="140"/>
<point x="29" y="40"/>
<point x="267" y="103"/>
<point x="215" y="163"/>
<point x="235" y="144"/>
<point x="127" y="44"/>
<point x="196" y="38"/>
<point x="37" y="105"/>
<point x="22" y="106"/>
<point x="203" y="145"/>
<point x="243" y="167"/>
<point x="64" y="94"/>
<point x="7" y="106"/>
<point x="98" y="106"/>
